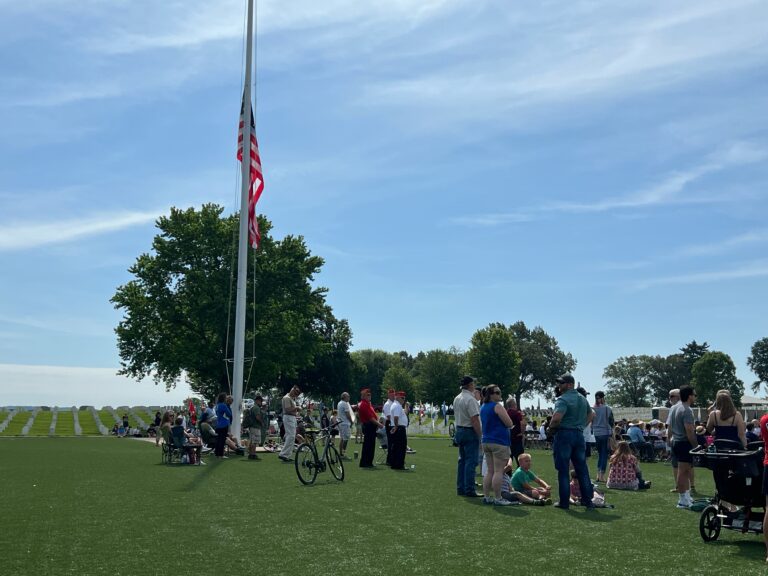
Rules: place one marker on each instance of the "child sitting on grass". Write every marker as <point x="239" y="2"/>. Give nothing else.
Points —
<point x="625" y="473"/>
<point x="509" y="493"/>
<point x="598" y="499"/>
<point x="524" y="478"/>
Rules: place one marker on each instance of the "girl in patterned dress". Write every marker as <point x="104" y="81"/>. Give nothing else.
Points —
<point x="625" y="473"/>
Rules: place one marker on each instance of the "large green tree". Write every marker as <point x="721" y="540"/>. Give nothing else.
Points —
<point x="178" y="310"/>
<point x="691" y="352"/>
<point x="712" y="372"/>
<point x="398" y="378"/>
<point x="438" y="373"/>
<point x="541" y="361"/>
<point x="628" y="382"/>
<point x="368" y="369"/>
<point x="330" y="373"/>
<point x="758" y="363"/>
<point x="492" y="358"/>
<point x="666" y="373"/>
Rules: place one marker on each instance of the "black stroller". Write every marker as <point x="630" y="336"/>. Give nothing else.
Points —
<point x="738" y="503"/>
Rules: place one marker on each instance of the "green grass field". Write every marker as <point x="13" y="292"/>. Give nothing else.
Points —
<point x="108" y="506"/>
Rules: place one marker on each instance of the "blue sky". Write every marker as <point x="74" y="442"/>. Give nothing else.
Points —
<point x="596" y="168"/>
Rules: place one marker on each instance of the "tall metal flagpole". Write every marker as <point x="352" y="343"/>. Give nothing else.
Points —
<point x="242" y="247"/>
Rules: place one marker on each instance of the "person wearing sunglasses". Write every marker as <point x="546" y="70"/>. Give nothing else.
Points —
<point x="496" y="424"/>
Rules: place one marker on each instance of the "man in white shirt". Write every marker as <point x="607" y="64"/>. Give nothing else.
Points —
<point x="466" y="412"/>
<point x="346" y="419"/>
<point x="385" y="411"/>
<point x="399" y="438"/>
<point x="290" y="410"/>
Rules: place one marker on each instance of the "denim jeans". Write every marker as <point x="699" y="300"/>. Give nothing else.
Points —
<point x="469" y="445"/>
<point x="569" y="447"/>
<point x="602" y="453"/>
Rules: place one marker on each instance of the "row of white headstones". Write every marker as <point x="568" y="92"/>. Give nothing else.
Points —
<point x="32" y="414"/>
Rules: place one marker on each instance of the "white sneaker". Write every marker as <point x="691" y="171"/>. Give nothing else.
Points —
<point x="684" y="504"/>
<point x="487" y="500"/>
<point x="501" y="502"/>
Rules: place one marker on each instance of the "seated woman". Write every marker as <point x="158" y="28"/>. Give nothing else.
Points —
<point x="625" y="473"/>
<point x="183" y="439"/>
<point x="208" y="435"/>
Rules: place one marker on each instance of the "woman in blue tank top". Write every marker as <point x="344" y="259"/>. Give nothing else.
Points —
<point x="496" y="424"/>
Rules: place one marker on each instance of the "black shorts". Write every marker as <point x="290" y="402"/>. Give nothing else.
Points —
<point x="516" y="448"/>
<point x="682" y="451"/>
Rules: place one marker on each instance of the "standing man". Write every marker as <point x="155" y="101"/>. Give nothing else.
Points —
<point x="369" y="422"/>
<point x="466" y="412"/>
<point x="254" y="417"/>
<point x="674" y="398"/>
<point x="683" y="441"/>
<point x="572" y="414"/>
<point x="645" y="449"/>
<point x="346" y="420"/>
<point x="399" y="436"/>
<point x="516" y="446"/>
<point x="444" y="411"/>
<point x="385" y="411"/>
<point x="290" y="410"/>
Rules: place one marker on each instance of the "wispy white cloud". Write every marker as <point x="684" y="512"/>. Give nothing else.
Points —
<point x="755" y="269"/>
<point x="723" y="246"/>
<point x="667" y="191"/>
<point x="23" y="236"/>
<point x="488" y="220"/>
<point x="586" y="49"/>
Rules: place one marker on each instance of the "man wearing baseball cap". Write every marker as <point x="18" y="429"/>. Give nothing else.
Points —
<point x="369" y="421"/>
<point x="385" y="411"/>
<point x="469" y="431"/>
<point x="572" y="414"/>
<point x="398" y="420"/>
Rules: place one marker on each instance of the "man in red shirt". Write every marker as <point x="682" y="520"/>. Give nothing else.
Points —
<point x="370" y="423"/>
<point x="764" y="436"/>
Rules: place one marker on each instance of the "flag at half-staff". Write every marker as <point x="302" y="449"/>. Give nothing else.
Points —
<point x="256" y="178"/>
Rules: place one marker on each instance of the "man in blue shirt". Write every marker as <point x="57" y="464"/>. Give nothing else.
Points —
<point x="572" y="414"/>
<point x="645" y="449"/>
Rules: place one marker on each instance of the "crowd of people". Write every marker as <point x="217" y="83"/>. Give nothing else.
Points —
<point x="493" y="433"/>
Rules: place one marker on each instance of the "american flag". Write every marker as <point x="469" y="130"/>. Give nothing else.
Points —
<point x="257" y="179"/>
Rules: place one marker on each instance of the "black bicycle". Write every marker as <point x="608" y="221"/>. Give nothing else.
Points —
<point x="309" y="462"/>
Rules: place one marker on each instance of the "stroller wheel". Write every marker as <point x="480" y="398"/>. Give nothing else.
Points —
<point x="709" y="523"/>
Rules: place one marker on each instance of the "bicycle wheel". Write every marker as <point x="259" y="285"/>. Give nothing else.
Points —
<point x="306" y="464"/>
<point x="335" y="463"/>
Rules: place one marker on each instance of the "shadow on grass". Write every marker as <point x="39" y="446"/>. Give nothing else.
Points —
<point x="512" y="511"/>
<point x="599" y="516"/>
<point x="749" y="545"/>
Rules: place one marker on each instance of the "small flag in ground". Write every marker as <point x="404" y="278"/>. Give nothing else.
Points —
<point x="256" y="178"/>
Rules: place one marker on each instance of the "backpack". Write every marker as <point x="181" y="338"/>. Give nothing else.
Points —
<point x="249" y="421"/>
